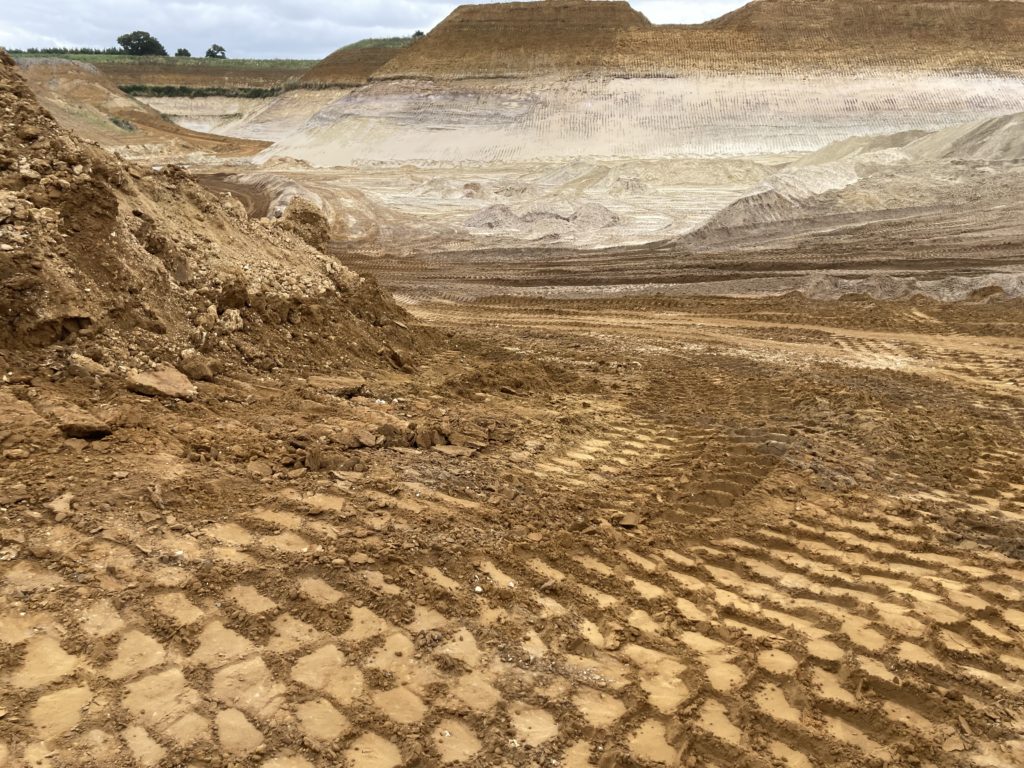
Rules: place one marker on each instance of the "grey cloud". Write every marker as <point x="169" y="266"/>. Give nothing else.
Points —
<point x="304" y="29"/>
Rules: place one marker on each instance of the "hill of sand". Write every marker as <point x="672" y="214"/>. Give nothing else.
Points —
<point x="86" y="101"/>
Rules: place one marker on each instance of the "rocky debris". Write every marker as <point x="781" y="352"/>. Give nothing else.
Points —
<point x="164" y="381"/>
<point x="341" y="386"/>
<point x="85" y="367"/>
<point x="304" y="219"/>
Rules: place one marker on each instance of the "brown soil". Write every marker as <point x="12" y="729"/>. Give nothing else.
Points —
<point x="348" y="67"/>
<point x="574" y="36"/>
<point x="262" y="74"/>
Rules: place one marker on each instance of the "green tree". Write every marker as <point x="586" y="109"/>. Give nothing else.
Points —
<point x="183" y="53"/>
<point x="216" y="52"/>
<point x="417" y="34"/>
<point x="141" y="43"/>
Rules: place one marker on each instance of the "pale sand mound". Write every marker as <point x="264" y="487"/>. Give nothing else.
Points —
<point x="972" y="167"/>
<point x="86" y="101"/>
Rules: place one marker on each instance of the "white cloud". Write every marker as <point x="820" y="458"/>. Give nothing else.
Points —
<point x="308" y="29"/>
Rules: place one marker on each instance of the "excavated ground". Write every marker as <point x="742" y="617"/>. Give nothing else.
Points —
<point x="572" y="508"/>
<point x="630" y="532"/>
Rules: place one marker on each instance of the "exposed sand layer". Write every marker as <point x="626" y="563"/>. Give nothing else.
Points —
<point x="712" y="115"/>
<point x="264" y="119"/>
<point x="86" y="101"/>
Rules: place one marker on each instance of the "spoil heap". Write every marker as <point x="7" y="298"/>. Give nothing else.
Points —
<point x="140" y="267"/>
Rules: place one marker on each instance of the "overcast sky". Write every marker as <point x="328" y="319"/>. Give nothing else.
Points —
<point x="301" y="29"/>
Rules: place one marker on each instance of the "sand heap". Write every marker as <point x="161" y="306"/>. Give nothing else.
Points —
<point x="971" y="173"/>
<point x="86" y="101"/>
<point x="144" y="266"/>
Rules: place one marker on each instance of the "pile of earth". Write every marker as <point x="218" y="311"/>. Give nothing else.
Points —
<point x="127" y="268"/>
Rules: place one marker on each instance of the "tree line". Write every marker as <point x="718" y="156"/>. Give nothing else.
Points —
<point x="136" y="43"/>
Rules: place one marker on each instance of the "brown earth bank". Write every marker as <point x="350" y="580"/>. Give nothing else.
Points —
<point x="348" y="67"/>
<point x="209" y="74"/>
<point x="582" y="37"/>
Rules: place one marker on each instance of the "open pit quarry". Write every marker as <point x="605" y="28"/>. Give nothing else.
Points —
<point x="555" y="389"/>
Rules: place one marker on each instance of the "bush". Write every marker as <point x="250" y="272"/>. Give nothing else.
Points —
<point x="141" y="43"/>
<point x="183" y="53"/>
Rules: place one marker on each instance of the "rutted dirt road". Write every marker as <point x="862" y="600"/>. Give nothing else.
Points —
<point x="693" y="532"/>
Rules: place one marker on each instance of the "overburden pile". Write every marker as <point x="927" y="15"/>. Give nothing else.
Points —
<point x="141" y="267"/>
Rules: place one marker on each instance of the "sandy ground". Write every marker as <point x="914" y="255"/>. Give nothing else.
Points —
<point x="689" y="532"/>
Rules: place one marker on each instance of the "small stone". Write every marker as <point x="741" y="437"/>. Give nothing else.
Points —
<point x="162" y="382"/>
<point x="231" y="321"/>
<point x="84" y="367"/>
<point x="341" y="386"/>
<point x="953" y="744"/>
<point x="628" y="520"/>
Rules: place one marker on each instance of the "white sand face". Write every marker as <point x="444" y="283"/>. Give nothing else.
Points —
<point x="722" y="115"/>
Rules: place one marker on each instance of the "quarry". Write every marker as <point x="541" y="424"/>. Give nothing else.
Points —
<point x="554" y="388"/>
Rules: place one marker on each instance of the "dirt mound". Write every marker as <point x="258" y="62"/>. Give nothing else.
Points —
<point x="140" y="267"/>
<point x="306" y="220"/>
<point x="759" y="208"/>
<point x="349" y="67"/>
<point x="516" y="39"/>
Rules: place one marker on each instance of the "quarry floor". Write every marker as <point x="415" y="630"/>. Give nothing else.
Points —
<point x="695" y="531"/>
